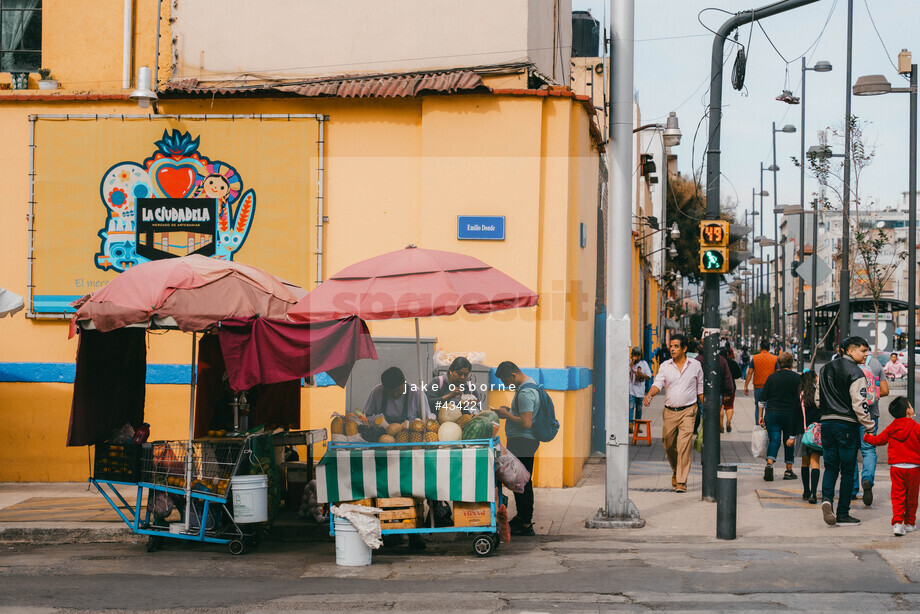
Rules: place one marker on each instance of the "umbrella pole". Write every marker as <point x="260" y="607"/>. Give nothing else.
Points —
<point x="191" y="434"/>
<point x="418" y="356"/>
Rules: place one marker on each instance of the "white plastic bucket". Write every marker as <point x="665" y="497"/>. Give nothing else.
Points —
<point x="350" y="549"/>
<point x="250" y="498"/>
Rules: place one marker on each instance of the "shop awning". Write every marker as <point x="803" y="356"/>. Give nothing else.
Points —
<point x="670" y="324"/>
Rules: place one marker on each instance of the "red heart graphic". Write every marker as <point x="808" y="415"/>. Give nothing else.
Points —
<point x="177" y="182"/>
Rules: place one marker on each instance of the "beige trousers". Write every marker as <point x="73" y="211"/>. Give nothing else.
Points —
<point x="677" y="437"/>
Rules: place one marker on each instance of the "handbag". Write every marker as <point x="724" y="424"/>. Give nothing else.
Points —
<point x="759" y="440"/>
<point x="698" y="442"/>
<point x="812" y="436"/>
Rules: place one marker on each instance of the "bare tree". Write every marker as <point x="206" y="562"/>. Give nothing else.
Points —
<point x="874" y="258"/>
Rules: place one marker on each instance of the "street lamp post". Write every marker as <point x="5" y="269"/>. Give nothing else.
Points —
<point x="822" y="66"/>
<point x="874" y="85"/>
<point x="778" y="309"/>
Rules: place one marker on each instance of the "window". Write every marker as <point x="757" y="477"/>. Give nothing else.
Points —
<point x="20" y="35"/>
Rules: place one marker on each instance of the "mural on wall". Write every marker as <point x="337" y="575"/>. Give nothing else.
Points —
<point x="176" y="170"/>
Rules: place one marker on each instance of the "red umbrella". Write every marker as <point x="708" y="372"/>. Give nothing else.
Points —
<point x="195" y="291"/>
<point x="412" y="283"/>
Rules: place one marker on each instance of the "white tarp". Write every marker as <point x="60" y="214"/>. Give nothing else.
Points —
<point x="10" y="303"/>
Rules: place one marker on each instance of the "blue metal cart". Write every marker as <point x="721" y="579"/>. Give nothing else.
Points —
<point x="436" y="471"/>
<point x="201" y="480"/>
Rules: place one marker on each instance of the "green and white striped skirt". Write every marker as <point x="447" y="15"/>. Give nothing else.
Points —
<point x="440" y="474"/>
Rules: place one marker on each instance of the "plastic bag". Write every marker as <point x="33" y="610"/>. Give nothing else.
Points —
<point x="698" y="441"/>
<point x="310" y="506"/>
<point x="759" y="440"/>
<point x="511" y="471"/>
<point x="364" y="520"/>
<point x="442" y="514"/>
<point x="123" y="435"/>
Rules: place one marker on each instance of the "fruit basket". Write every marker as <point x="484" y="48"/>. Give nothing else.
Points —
<point x="118" y="462"/>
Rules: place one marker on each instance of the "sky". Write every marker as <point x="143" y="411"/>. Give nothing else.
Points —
<point x="672" y="64"/>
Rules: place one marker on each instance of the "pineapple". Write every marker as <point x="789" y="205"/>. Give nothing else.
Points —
<point x="417" y="426"/>
<point x="416" y="437"/>
<point x="402" y="437"/>
<point x="432" y="426"/>
<point x="464" y="420"/>
<point x="430" y="436"/>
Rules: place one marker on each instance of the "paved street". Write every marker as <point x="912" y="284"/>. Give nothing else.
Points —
<point x="785" y="558"/>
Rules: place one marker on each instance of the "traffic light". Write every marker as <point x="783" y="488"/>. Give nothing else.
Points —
<point x="713" y="246"/>
<point x="793" y="267"/>
<point x="715" y="238"/>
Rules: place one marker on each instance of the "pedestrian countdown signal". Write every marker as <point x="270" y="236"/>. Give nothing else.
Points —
<point x="714" y="246"/>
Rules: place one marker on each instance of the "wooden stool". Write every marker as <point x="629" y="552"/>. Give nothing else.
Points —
<point x="647" y="437"/>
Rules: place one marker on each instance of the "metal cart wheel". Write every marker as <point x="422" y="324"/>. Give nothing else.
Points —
<point x="484" y="544"/>
<point x="154" y="543"/>
<point x="237" y="547"/>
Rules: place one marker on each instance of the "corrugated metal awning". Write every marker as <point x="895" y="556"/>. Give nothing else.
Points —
<point x="372" y="86"/>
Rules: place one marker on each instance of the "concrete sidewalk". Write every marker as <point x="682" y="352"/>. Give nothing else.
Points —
<point x="76" y="513"/>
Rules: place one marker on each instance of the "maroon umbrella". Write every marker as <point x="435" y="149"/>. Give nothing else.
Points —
<point x="413" y="283"/>
<point x="191" y="293"/>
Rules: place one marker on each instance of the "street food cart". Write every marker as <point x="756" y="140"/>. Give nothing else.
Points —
<point x="459" y="471"/>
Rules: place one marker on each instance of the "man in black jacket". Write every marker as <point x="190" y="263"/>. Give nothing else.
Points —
<point x="843" y="404"/>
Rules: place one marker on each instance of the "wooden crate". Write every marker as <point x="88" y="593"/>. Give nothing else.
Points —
<point x="400" y="512"/>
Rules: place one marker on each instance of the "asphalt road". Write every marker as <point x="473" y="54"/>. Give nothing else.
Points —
<point x="543" y="574"/>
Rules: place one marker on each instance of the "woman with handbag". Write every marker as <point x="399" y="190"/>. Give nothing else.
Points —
<point x="811" y="436"/>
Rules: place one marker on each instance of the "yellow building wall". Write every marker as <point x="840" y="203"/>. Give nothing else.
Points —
<point x="397" y="171"/>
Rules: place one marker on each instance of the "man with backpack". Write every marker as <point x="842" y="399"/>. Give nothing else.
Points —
<point x="529" y="420"/>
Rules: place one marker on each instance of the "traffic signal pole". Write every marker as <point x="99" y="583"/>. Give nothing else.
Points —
<point x="712" y="398"/>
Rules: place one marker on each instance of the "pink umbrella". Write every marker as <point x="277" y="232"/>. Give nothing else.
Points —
<point x="413" y="283"/>
<point x="194" y="291"/>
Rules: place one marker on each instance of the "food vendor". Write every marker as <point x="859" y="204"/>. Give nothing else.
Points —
<point x="450" y="387"/>
<point x="394" y="400"/>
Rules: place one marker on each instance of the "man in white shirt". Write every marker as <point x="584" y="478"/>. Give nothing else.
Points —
<point x="682" y="381"/>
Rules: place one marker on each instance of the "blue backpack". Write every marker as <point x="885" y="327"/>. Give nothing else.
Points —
<point x="544" y="425"/>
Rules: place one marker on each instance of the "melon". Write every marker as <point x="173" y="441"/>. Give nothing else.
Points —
<point x="450" y="431"/>
<point x="387" y="439"/>
<point x="478" y="428"/>
<point x="392" y="429"/>
<point x="448" y="413"/>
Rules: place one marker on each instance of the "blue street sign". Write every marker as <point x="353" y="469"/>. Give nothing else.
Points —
<point x="481" y="227"/>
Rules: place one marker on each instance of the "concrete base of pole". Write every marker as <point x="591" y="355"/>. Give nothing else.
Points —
<point x="630" y="521"/>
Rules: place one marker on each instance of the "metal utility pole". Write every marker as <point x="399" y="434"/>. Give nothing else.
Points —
<point x="619" y="510"/>
<point x="843" y="321"/>
<point x="776" y="296"/>
<point x="712" y="398"/>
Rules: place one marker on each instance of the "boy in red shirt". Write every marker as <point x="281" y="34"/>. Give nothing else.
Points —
<point x="903" y="437"/>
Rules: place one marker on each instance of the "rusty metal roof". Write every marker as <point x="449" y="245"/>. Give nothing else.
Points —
<point x="374" y="86"/>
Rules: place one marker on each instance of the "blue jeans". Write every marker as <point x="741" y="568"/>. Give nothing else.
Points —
<point x="780" y="427"/>
<point x="840" y="442"/>
<point x="744" y="368"/>
<point x="757" y="392"/>
<point x="635" y="408"/>
<point x="869" y="458"/>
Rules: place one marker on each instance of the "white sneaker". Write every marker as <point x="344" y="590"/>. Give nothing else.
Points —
<point x="910" y="528"/>
<point x="899" y="530"/>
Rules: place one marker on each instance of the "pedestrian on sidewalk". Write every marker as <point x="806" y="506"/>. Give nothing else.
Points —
<point x="842" y="386"/>
<point x="727" y="412"/>
<point x="763" y="365"/>
<point x="639" y="373"/>
<point x="878" y="387"/>
<point x="520" y="438"/>
<point x="781" y="395"/>
<point x="682" y="381"/>
<point x="894" y="368"/>
<point x="811" y="457"/>
<point x="903" y="439"/>
<point x="745" y="361"/>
